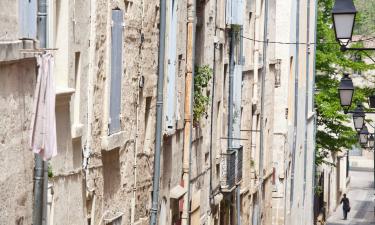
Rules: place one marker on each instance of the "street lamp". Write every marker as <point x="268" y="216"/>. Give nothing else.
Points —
<point x="363" y="136"/>
<point x="371" y="141"/>
<point x="371" y="100"/>
<point x="359" y="117"/>
<point x="343" y="15"/>
<point x="346" y="91"/>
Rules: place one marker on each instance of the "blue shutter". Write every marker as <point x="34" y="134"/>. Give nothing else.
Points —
<point x="237" y="97"/>
<point x="27" y="18"/>
<point x="234" y="12"/>
<point x="228" y="12"/>
<point x="172" y="61"/>
<point x="116" y="71"/>
<point x="238" y="12"/>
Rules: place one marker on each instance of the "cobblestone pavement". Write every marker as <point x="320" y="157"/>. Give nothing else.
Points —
<point x="361" y="196"/>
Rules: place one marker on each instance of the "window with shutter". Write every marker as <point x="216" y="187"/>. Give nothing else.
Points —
<point x="234" y="12"/>
<point x="172" y="61"/>
<point x="116" y="71"/>
<point x="27" y="18"/>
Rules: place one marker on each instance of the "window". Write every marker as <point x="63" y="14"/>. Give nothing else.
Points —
<point x="234" y="11"/>
<point x="116" y="71"/>
<point x="77" y="79"/>
<point x="27" y="22"/>
<point x="172" y="61"/>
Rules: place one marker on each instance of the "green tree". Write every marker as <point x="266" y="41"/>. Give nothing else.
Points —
<point x="333" y="134"/>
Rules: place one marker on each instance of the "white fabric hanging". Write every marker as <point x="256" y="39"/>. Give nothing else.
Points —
<point x="43" y="121"/>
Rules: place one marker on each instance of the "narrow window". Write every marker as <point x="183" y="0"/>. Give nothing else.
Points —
<point x="77" y="95"/>
<point x="27" y="22"/>
<point x="116" y="71"/>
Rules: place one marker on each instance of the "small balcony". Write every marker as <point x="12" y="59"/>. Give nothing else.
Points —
<point x="231" y="169"/>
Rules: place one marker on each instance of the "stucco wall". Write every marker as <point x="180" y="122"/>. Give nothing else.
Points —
<point x="16" y="170"/>
<point x="9" y="20"/>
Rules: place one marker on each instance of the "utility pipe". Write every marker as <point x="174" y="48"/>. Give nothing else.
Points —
<point x="211" y="196"/>
<point x="159" y="114"/>
<point x="296" y="82"/>
<point x="188" y="108"/>
<point x="231" y="87"/>
<point x="307" y="80"/>
<point x="255" y="85"/>
<point x="41" y="168"/>
<point x="313" y="104"/>
<point x="263" y="83"/>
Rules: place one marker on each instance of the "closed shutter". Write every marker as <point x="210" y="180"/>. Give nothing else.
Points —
<point x="27" y="18"/>
<point x="234" y="12"/>
<point x="237" y="95"/>
<point x="172" y="61"/>
<point x="116" y="71"/>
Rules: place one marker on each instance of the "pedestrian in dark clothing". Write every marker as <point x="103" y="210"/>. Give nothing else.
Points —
<point x="345" y="206"/>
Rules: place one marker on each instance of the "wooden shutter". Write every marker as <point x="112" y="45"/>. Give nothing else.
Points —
<point x="27" y="18"/>
<point x="116" y="71"/>
<point x="172" y="61"/>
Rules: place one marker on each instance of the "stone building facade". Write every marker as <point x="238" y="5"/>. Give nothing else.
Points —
<point x="106" y="69"/>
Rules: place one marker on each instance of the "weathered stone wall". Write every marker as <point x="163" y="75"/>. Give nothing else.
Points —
<point x="9" y="20"/>
<point x="17" y="85"/>
<point x="111" y="172"/>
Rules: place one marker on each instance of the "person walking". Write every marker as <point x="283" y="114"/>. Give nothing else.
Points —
<point x="345" y="206"/>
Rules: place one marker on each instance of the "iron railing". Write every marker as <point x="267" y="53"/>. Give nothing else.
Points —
<point x="231" y="168"/>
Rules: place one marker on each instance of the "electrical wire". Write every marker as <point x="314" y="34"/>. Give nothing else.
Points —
<point x="303" y="43"/>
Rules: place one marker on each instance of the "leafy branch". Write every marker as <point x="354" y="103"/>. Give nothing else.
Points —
<point x="202" y="76"/>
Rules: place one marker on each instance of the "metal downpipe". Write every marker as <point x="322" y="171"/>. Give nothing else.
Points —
<point x="296" y="81"/>
<point x="306" y="98"/>
<point x="231" y="87"/>
<point x="41" y="167"/>
<point x="211" y="195"/>
<point x="192" y="3"/>
<point x="159" y="114"/>
<point x="263" y="86"/>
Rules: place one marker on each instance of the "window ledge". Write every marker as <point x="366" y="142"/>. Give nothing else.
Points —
<point x="77" y="130"/>
<point x="63" y="95"/>
<point x="10" y="51"/>
<point x="113" y="141"/>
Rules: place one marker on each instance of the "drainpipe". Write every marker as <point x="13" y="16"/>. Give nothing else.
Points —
<point x="255" y="84"/>
<point x="159" y="114"/>
<point x="41" y="168"/>
<point x="188" y="108"/>
<point x="211" y="196"/>
<point x="263" y="83"/>
<point x="306" y="98"/>
<point x="313" y="104"/>
<point x="230" y="107"/>
<point x="296" y="82"/>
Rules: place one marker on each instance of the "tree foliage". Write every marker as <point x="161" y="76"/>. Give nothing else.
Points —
<point x="334" y="130"/>
<point x="366" y="16"/>
<point x="202" y="76"/>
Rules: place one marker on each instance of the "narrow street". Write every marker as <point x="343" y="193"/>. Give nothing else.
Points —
<point x="361" y="195"/>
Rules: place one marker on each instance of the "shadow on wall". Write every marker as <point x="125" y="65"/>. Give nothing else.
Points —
<point x="111" y="174"/>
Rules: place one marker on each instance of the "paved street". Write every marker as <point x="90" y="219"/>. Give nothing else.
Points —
<point x="361" y="195"/>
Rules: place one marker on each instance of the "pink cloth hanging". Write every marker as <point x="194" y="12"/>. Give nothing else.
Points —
<point x="43" y="121"/>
